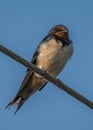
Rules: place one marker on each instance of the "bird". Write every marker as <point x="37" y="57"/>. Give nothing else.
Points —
<point x="51" y="56"/>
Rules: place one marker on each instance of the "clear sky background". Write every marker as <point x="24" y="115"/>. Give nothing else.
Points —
<point x="23" y="24"/>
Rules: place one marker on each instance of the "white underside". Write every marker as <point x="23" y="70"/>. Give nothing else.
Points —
<point x="53" y="56"/>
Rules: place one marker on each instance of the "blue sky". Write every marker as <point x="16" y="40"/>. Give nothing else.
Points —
<point x="23" y="24"/>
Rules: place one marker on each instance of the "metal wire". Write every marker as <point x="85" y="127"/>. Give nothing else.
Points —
<point x="44" y="74"/>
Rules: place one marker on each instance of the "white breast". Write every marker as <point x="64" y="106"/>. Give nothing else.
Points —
<point x="53" y="57"/>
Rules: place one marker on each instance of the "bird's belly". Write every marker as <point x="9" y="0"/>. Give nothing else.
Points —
<point x="53" y="61"/>
<point x="56" y="64"/>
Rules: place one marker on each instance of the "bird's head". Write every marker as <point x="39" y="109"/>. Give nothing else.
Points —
<point x="60" y="31"/>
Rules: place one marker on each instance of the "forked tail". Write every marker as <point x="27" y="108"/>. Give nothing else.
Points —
<point x="19" y="101"/>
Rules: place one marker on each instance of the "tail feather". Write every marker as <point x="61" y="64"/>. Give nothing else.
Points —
<point x="19" y="101"/>
<point x="30" y="85"/>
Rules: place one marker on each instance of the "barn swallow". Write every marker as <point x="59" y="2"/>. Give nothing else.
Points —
<point x="51" y="56"/>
